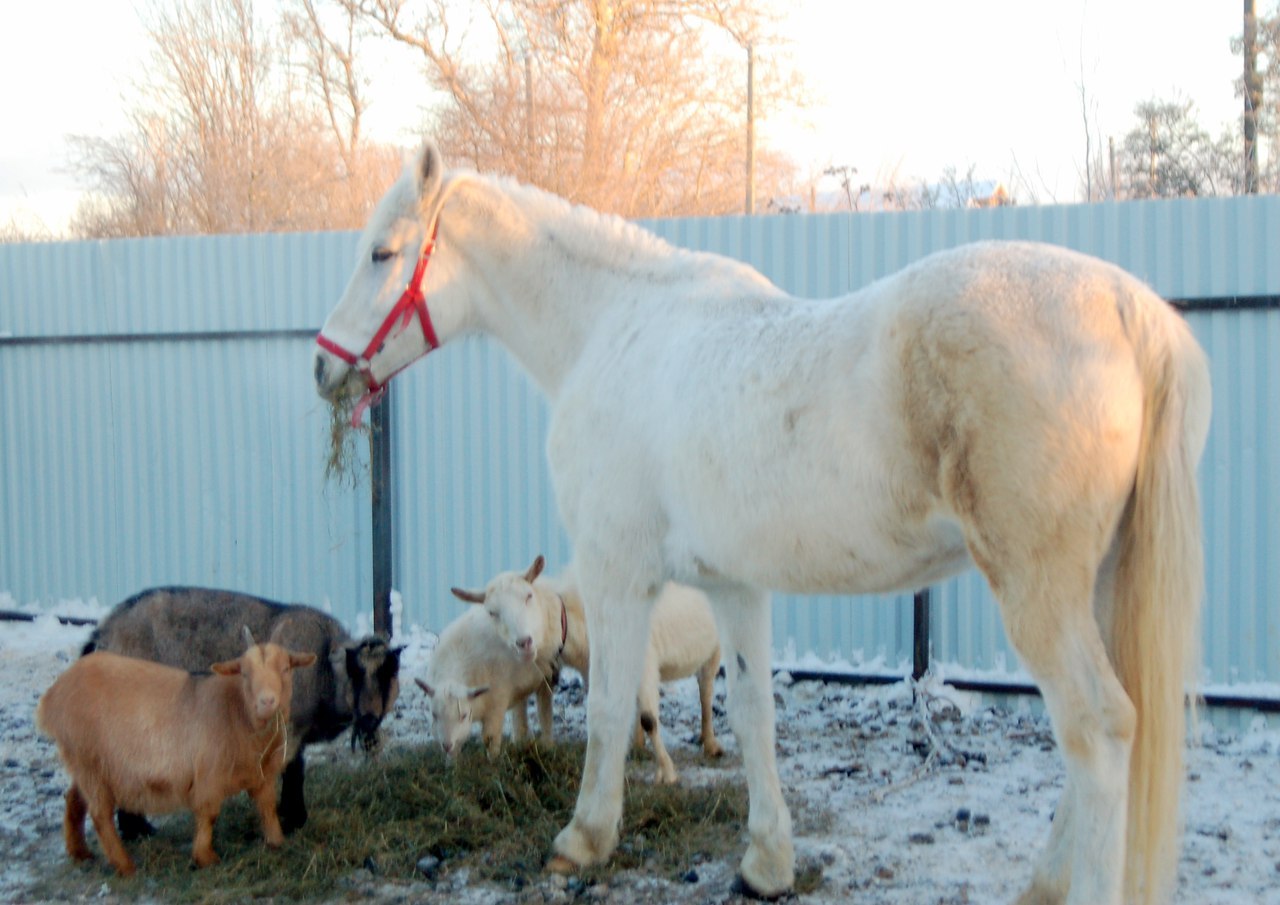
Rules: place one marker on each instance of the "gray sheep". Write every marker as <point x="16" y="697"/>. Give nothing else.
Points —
<point x="354" y="683"/>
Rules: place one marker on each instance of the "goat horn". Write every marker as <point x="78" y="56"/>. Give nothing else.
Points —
<point x="248" y="637"/>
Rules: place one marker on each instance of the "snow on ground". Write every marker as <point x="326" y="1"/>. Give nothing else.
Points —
<point x="883" y="830"/>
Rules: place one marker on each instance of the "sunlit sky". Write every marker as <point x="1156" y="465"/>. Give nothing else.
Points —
<point x="901" y="90"/>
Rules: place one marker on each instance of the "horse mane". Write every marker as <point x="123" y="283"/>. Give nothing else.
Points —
<point x="585" y="233"/>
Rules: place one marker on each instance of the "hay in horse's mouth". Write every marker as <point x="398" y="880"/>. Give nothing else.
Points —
<point x="343" y="461"/>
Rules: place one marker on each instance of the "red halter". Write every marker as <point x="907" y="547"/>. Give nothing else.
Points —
<point x="412" y="300"/>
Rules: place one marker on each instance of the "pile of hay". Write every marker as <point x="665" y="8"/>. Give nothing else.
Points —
<point x="495" y="818"/>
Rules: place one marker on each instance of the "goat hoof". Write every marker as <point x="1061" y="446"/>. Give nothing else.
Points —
<point x="202" y="861"/>
<point x="559" y="864"/>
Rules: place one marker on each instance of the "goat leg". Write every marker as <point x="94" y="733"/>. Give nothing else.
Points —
<point x="202" y="852"/>
<point x="264" y="796"/>
<point x="102" y="811"/>
<point x="293" y="804"/>
<point x="133" y="826"/>
<point x="73" y="826"/>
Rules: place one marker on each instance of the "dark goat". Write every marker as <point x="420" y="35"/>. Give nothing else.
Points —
<point x="354" y="683"/>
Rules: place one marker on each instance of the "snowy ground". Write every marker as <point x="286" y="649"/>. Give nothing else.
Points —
<point x="882" y="829"/>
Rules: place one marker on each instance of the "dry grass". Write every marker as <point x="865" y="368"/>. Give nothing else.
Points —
<point x="342" y="463"/>
<point x="496" y="818"/>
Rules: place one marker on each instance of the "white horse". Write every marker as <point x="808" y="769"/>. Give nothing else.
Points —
<point x="1018" y="406"/>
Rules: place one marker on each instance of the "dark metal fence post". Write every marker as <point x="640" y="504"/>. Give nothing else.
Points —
<point x="381" y="490"/>
<point x="920" y="635"/>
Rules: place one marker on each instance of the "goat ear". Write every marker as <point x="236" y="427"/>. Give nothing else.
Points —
<point x="536" y="569"/>
<point x="227" y="667"/>
<point x="468" y="596"/>
<point x="297" y="659"/>
<point x="431" y="692"/>
<point x="473" y="693"/>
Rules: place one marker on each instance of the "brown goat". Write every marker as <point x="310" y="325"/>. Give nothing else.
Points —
<point x="153" y="739"/>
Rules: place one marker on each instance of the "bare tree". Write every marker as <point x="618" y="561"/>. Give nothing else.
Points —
<point x="1168" y="154"/>
<point x="625" y="105"/>
<point x="224" y="138"/>
<point x="19" y="228"/>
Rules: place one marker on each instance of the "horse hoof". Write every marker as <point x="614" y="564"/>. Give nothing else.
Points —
<point x="742" y="888"/>
<point x="562" y="865"/>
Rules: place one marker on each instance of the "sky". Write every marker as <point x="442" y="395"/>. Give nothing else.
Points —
<point x="901" y="90"/>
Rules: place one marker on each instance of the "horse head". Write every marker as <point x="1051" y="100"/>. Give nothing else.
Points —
<point x="370" y="335"/>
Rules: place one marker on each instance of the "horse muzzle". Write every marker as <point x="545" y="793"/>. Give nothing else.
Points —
<point x="365" y="732"/>
<point x="331" y="374"/>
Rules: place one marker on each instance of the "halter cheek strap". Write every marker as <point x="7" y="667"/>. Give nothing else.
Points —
<point x="412" y="301"/>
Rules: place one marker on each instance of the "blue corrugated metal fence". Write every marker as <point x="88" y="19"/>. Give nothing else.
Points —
<point x="158" y="423"/>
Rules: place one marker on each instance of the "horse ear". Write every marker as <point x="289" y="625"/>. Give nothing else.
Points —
<point x="536" y="569"/>
<point x="468" y="596"/>
<point x="430" y="173"/>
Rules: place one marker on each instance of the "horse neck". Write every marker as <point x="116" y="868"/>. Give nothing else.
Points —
<point x="554" y="279"/>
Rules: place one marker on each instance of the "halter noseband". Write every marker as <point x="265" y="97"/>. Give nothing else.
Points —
<point x="412" y="301"/>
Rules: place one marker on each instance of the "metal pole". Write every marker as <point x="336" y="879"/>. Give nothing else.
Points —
<point x="751" y="130"/>
<point x="380" y="485"/>
<point x="920" y="635"/>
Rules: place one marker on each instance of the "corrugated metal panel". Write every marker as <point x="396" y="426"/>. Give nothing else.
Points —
<point x="473" y="490"/>
<point x="180" y="284"/>
<point x="127" y="465"/>
<point x="138" y="463"/>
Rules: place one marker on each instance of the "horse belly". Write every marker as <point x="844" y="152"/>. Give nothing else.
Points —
<point x="815" y="546"/>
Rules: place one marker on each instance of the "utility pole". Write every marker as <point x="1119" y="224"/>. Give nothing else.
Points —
<point x="750" y="206"/>
<point x="1111" y="165"/>
<point x="1252" y="97"/>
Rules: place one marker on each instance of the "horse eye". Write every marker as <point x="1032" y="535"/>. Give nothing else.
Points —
<point x="382" y="253"/>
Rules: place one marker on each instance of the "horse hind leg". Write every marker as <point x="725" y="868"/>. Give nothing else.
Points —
<point x="1051" y="624"/>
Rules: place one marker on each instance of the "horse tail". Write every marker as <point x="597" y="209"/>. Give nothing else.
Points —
<point x="1155" y="629"/>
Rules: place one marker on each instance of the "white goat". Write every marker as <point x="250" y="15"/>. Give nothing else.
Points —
<point x="475" y="677"/>
<point x="544" y="622"/>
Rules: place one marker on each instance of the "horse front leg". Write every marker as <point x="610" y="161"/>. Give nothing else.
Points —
<point x="619" y="632"/>
<point x="742" y="617"/>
